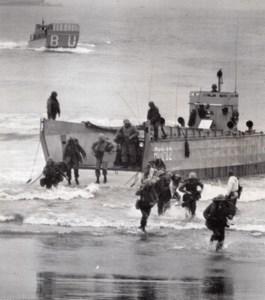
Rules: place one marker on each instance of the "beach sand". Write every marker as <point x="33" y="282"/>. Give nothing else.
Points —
<point x="83" y="266"/>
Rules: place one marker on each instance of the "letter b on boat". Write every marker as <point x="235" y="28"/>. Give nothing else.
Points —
<point x="54" y="40"/>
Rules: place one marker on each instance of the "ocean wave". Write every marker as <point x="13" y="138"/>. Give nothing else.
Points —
<point x="82" y="48"/>
<point x="17" y="218"/>
<point x="60" y="193"/>
<point x="75" y="221"/>
<point x="19" y="125"/>
<point x="12" y="45"/>
<point x="77" y="50"/>
<point x="86" y="45"/>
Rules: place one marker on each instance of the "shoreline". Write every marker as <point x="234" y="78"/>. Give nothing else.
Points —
<point x="81" y="266"/>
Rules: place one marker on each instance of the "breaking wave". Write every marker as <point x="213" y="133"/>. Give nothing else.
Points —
<point x="77" y="50"/>
<point x="60" y="193"/>
<point x="91" y="222"/>
<point x="13" y="45"/>
<point x="82" y="48"/>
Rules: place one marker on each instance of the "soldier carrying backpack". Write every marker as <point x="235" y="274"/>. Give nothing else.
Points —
<point x="217" y="215"/>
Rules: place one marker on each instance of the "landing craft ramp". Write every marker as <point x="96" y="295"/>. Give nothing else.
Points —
<point x="54" y="136"/>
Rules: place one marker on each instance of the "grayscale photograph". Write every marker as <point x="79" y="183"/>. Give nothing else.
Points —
<point x="132" y="149"/>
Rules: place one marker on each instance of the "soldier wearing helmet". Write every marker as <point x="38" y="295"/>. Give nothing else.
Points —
<point x="53" y="173"/>
<point x="162" y="188"/>
<point x="73" y="155"/>
<point x="216" y="215"/>
<point x="148" y="199"/>
<point x="101" y="146"/>
<point x="127" y="137"/>
<point x="53" y="106"/>
<point x="176" y="178"/>
<point x="192" y="188"/>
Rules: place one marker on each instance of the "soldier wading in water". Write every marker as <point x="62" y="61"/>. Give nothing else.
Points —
<point x="192" y="189"/>
<point x="148" y="199"/>
<point x="53" y="173"/>
<point x="73" y="155"/>
<point x="216" y="215"/>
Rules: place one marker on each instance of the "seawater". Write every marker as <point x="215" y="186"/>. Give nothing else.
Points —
<point x="129" y="53"/>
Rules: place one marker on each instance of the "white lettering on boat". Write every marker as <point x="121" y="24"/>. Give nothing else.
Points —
<point x="165" y="153"/>
<point x="54" y="40"/>
<point x="73" y="43"/>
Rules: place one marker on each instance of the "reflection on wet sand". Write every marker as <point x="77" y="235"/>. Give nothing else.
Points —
<point x="57" y="286"/>
<point x="100" y="286"/>
<point x="217" y="283"/>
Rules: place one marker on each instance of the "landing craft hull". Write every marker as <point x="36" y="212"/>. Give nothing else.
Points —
<point x="212" y="157"/>
<point x="54" y="36"/>
<point x="212" y="154"/>
<point x="40" y="43"/>
<point x="54" y="135"/>
<point x="56" y="41"/>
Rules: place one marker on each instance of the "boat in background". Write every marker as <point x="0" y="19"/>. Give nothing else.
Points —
<point x="55" y="35"/>
<point x="210" y="145"/>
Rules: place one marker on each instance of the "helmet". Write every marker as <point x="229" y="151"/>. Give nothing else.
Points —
<point x="126" y="121"/>
<point x="220" y="197"/>
<point x="192" y="175"/>
<point x="176" y="175"/>
<point x="101" y="136"/>
<point x="71" y="140"/>
<point x="160" y="173"/>
<point x="214" y="88"/>
<point x="147" y="182"/>
<point x="53" y="94"/>
<point x="49" y="160"/>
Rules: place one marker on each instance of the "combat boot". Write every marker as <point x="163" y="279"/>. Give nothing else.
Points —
<point x="219" y="246"/>
<point x="97" y="172"/>
<point x="105" y="176"/>
<point x="76" y="176"/>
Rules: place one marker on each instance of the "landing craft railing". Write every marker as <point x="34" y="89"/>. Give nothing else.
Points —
<point x="184" y="132"/>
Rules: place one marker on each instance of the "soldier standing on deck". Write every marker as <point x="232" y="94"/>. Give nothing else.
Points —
<point x="53" y="106"/>
<point x="127" y="136"/>
<point x="99" y="148"/>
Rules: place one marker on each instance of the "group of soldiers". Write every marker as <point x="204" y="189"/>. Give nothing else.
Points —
<point x="126" y="137"/>
<point x="160" y="186"/>
<point x="73" y="156"/>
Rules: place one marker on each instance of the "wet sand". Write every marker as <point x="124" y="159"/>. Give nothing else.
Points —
<point x="83" y="266"/>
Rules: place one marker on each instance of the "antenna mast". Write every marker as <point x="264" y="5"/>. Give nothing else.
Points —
<point x="236" y="57"/>
<point x="177" y="89"/>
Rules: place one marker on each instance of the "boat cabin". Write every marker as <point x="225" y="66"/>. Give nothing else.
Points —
<point x="42" y="30"/>
<point x="213" y="110"/>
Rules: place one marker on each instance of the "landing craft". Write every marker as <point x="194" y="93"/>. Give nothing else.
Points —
<point x="210" y="145"/>
<point x="55" y="35"/>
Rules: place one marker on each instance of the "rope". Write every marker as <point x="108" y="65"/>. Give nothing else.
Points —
<point x="129" y="107"/>
<point x="35" y="160"/>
